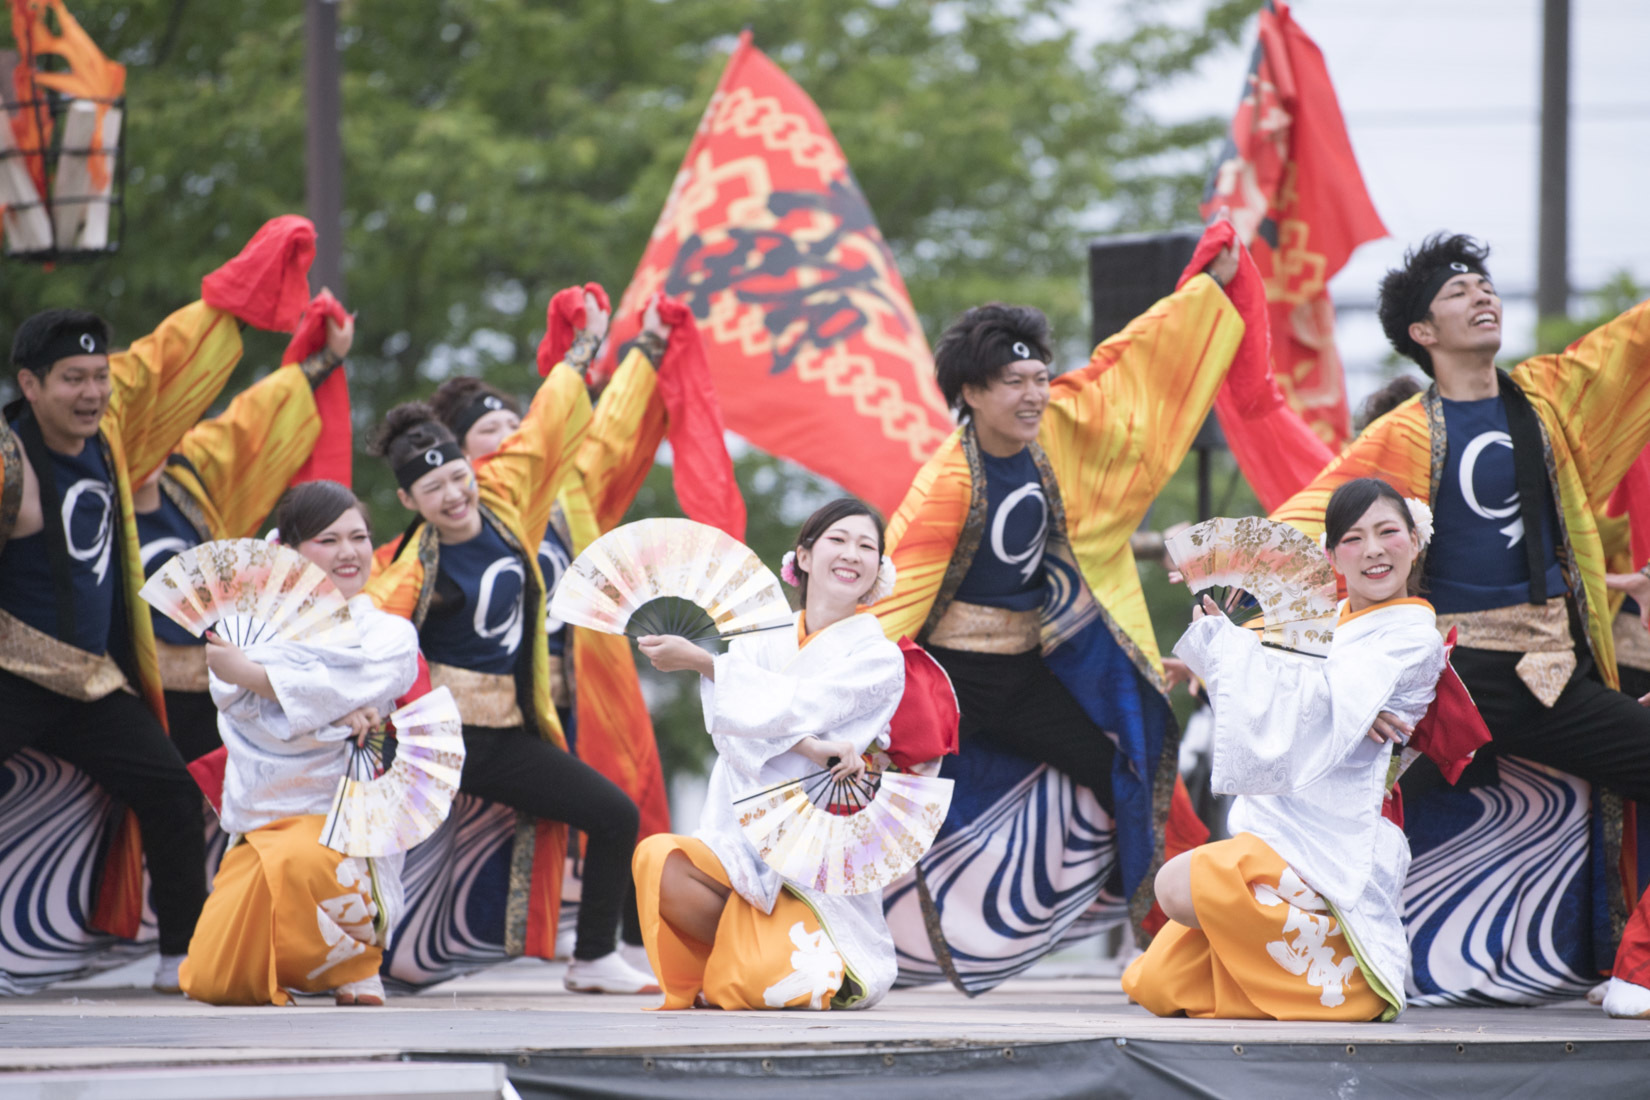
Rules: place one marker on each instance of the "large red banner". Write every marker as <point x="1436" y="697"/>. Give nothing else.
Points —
<point x="814" y="347"/>
<point x="1290" y="180"/>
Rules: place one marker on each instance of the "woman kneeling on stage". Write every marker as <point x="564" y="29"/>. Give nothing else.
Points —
<point x="722" y="928"/>
<point x="1296" y="916"/>
<point x="286" y="913"/>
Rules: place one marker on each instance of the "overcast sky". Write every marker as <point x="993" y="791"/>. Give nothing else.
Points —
<point x="1442" y="99"/>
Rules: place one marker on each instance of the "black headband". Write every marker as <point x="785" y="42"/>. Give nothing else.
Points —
<point x="1420" y="303"/>
<point x="69" y="341"/>
<point x="480" y="406"/>
<point x="431" y="458"/>
<point x="999" y="355"/>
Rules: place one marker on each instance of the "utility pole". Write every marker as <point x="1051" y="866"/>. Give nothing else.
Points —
<point x="1552" y="263"/>
<point x="325" y="175"/>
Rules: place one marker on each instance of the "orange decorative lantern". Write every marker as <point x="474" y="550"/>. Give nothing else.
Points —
<point x="61" y="155"/>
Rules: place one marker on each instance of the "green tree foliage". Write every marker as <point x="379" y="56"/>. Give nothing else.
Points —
<point x="497" y="150"/>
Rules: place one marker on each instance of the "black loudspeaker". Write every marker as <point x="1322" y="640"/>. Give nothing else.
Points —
<point x="1127" y="274"/>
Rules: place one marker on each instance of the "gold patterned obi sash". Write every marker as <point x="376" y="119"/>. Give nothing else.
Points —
<point x="484" y="698"/>
<point x="56" y="666"/>
<point x="1632" y="642"/>
<point x="1540" y="632"/>
<point x="182" y="667"/>
<point x="976" y="628"/>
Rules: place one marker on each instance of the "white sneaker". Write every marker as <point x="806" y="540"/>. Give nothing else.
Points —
<point x="608" y="974"/>
<point x="636" y="955"/>
<point x="366" y="992"/>
<point x="566" y="937"/>
<point x="1626" y="1001"/>
<point x="166" y="974"/>
<point x="1595" y="995"/>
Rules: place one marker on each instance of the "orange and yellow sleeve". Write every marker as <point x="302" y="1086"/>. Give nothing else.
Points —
<point x="166" y="381"/>
<point x="395" y="587"/>
<point x="532" y="465"/>
<point x="1598" y="388"/>
<point x="1122" y="424"/>
<point x="1396" y="448"/>
<point x="625" y="432"/>
<point x="246" y="456"/>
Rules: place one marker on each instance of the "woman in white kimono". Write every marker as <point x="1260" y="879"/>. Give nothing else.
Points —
<point x="1297" y="916"/>
<point x="287" y="913"/>
<point x="722" y="928"/>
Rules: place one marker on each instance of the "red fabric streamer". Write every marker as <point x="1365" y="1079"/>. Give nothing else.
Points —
<point x="924" y="726"/>
<point x="334" y="453"/>
<point x="1273" y="444"/>
<point x="1291" y="182"/>
<point x="1632" y="499"/>
<point x="208" y="772"/>
<point x="1452" y="729"/>
<point x="562" y="321"/>
<point x="702" y="469"/>
<point x="267" y="285"/>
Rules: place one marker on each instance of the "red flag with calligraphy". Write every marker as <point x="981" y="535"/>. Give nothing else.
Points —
<point x="815" y="350"/>
<point x="1290" y="180"/>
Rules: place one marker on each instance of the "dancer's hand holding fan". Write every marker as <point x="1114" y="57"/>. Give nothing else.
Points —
<point x="379" y="810"/>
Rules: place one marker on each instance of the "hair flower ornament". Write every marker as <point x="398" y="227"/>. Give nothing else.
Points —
<point x="884" y="587"/>
<point x="787" y="569"/>
<point x="1422" y="515"/>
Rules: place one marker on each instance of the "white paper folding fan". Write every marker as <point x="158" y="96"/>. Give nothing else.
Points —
<point x="848" y="837"/>
<point x="670" y="576"/>
<point x="378" y="811"/>
<point x="1284" y="574"/>
<point x="251" y="591"/>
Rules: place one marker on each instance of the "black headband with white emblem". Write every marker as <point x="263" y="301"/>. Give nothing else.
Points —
<point x="431" y="458"/>
<point x="68" y="342"/>
<point x="479" y="406"/>
<point x="1420" y="303"/>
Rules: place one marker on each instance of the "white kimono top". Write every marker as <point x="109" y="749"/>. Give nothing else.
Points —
<point x="768" y="695"/>
<point x="1290" y="740"/>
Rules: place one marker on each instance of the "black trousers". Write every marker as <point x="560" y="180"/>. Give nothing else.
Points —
<point x="1018" y="705"/>
<point x="192" y="719"/>
<point x="524" y="772"/>
<point x="123" y="748"/>
<point x="1592" y="732"/>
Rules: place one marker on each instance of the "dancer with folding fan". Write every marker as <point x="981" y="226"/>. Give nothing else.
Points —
<point x="302" y="666"/>
<point x="1296" y="917"/>
<point x="78" y="674"/>
<point x="794" y="708"/>
<point x="467" y="575"/>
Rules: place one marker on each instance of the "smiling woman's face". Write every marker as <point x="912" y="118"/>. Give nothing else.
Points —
<point x="1375" y="555"/>
<point x="343" y="551"/>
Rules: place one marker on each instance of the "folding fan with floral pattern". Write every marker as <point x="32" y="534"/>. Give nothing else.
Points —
<point x="249" y="591"/>
<point x="670" y="576"/>
<point x="846" y="836"/>
<point x="1277" y="580"/>
<point x="377" y="811"/>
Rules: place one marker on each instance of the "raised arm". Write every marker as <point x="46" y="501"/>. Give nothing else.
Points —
<point x="246" y="456"/>
<point x="532" y="464"/>
<point x="1599" y="391"/>
<point x="1131" y="414"/>
<point x="164" y="382"/>
<point x="1396" y="448"/>
<point x="625" y="431"/>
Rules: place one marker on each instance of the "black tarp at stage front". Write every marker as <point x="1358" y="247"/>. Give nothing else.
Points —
<point x="1097" y="1069"/>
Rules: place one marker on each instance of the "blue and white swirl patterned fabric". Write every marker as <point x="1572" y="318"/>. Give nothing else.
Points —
<point x="1501" y="901"/>
<point x="1026" y="860"/>
<point x="55" y="825"/>
<point x="457" y="883"/>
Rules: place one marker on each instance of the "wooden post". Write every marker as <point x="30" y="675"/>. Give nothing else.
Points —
<point x="1552" y="263"/>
